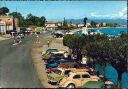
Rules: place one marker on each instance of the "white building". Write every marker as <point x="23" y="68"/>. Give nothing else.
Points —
<point x="52" y="25"/>
<point x="104" y="24"/>
<point x="2" y="27"/>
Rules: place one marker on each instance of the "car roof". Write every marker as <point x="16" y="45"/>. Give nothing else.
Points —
<point x="79" y="72"/>
<point x="58" y="52"/>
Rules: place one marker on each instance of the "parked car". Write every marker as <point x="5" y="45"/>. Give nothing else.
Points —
<point x="49" y="51"/>
<point x="52" y="65"/>
<point x="54" y="62"/>
<point x="23" y="30"/>
<point x="59" y="52"/>
<point x="77" y="79"/>
<point x="72" y="64"/>
<point x="47" y="54"/>
<point x="58" y="34"/>
<point x="56" y="76"/>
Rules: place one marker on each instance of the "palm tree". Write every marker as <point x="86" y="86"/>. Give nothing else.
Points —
<point x="85" y="19"/>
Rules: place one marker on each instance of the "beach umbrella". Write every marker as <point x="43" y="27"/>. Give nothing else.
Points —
<point x="111" y="74"/>
<point x="124" y="80"/>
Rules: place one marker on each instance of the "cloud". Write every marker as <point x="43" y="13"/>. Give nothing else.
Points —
<point x="97" y="15"/>
<point x="121" y="14"/>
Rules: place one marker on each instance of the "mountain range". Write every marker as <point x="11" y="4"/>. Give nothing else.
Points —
<point x="111" y="21"/>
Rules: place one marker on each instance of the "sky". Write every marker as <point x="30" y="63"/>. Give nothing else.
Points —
<point x="58" y="10"/>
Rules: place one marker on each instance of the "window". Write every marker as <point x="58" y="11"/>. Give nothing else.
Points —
<point x="67" y="72"/>
<point x="85" y="76"/>
<point x="58" y="72"/>
<point x="76" y="77"/>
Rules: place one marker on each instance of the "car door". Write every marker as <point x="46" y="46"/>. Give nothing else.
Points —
<point x="77" y="80"/>
<point x="85" y="78"/>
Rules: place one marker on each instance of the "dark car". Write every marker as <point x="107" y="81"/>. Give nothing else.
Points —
<point x="58" y="34"/>
<point x="23" y="30"/>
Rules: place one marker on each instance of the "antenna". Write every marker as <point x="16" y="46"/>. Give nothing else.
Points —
<point x="16" y="9"/>
<point x="4" y="3"/>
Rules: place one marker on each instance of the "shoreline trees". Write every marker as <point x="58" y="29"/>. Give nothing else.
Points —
<point x="102" y="49"/>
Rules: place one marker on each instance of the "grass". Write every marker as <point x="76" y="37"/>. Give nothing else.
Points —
<point x="93" y="84"/>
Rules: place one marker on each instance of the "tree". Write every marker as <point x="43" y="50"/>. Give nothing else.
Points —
<point x="30" y="19"/>
<point x="85" y="19"/>
<point x="36" y="21"/>
<point x="4" y="10"/>
<point x="16" y="14"/>
<point x="43" y="20"/>
<point x="102" y="49"/>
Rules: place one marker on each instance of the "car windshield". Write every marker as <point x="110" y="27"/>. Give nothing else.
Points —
<point x="51" y="50"/>
<point x="58" y="71"/>
<point x="92" y="73"/>
<point x="67" y="72"/>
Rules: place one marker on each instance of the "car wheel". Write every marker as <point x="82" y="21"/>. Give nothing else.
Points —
<point x="71" y="86"/>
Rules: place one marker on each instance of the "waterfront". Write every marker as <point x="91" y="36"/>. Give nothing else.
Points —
<point x="107" y="31"/>
<point x="112" y="31"/>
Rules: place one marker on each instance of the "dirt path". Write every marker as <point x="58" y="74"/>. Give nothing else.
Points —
<point x="37" y="60"/>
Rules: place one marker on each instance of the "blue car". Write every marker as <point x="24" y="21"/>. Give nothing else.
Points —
<point x="53" y="65"/>
<point x="62" y="61"/>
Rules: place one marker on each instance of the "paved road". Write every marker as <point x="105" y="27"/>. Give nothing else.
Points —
<point x="16" y="68"/>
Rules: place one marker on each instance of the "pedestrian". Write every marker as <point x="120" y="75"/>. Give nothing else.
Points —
<point x="48" y="43"/>
<point x="79" y="55"/>
<point x="66" y="54"/>
<point x="84" y="61"/>
<point x="37" y="36"/>
<point x="15" y="37"/>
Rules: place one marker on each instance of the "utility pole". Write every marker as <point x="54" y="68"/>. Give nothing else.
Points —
<point x="14" y="27"/>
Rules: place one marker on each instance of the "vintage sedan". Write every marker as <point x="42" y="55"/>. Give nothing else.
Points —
<point x="56" y="76"/>
<point x="77" y="79"/>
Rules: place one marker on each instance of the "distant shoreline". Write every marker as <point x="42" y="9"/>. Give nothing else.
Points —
<point x="107" y="27"/>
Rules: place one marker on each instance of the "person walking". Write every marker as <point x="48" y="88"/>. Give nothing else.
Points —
<point x="14" y="35"/>
<point x="37" y="40"/>
<point x="48" y="43"/>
